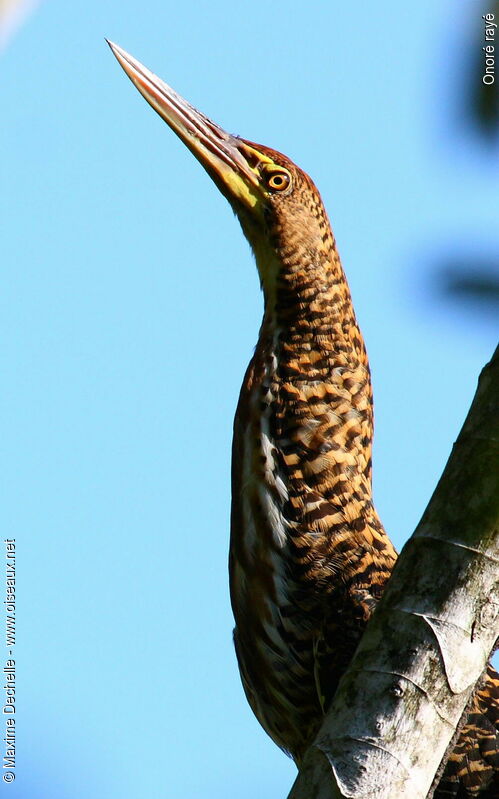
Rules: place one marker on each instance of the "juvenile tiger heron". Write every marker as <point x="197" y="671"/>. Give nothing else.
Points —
<point x="308" y="554"/>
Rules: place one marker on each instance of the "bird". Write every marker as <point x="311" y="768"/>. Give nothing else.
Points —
<point x="308" y="557"/>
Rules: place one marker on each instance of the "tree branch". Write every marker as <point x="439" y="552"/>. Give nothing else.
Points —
<point x="399" y="704"/>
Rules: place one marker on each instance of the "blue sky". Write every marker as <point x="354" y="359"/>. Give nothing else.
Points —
<point x="130" y="307"/>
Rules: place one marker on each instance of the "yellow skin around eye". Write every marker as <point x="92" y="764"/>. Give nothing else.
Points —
<point x="278" y="181"/>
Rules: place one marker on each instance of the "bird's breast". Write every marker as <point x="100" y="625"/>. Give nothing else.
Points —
<point x="302" y="521"/>
<point x="262" y="492"/>
<point x="272" y="641"/>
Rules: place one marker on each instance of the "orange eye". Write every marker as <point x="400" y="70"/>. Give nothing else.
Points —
<point x="278" y="181"/>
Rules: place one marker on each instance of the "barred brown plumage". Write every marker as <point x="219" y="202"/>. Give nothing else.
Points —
<point x="309" y="557"/>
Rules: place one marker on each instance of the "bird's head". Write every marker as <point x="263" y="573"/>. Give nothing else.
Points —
<point x="277" y="204"/>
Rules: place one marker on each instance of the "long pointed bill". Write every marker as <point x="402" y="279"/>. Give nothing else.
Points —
<point x="220" y="153"/>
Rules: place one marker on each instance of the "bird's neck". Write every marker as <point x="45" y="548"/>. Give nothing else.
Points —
<point x="309" y="312"/>
<point x="310" y="328"/>
<point x="312" y="376"/>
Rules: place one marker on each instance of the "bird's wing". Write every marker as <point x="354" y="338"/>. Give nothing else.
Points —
<point x="472" y="769"/>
